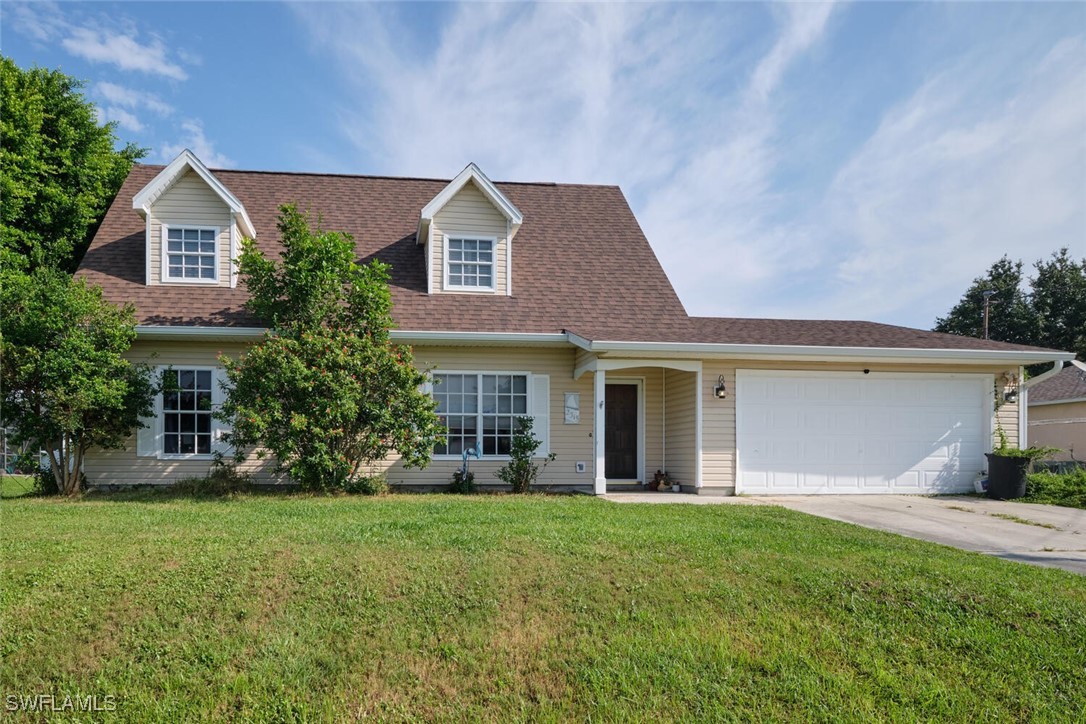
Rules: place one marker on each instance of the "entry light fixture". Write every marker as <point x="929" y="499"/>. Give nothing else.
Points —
<point x="721" y="389"/>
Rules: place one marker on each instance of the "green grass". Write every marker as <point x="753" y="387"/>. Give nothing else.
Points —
<point x="508" y="608"/>
<point x="15" y="486"/>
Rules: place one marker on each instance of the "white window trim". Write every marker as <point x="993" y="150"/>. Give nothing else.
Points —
<point x="528" y="405"/>
<point x="493" y="264"/>
<point x="165" y="258"/>
<point x="161" y="413"/>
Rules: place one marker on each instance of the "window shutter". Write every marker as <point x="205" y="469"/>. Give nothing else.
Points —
<point x="218" y="396"/>
<point x="541" y="413"/>
<point x="149" y="436"/>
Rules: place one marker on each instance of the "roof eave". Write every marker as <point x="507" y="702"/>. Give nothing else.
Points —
<point x="817" y="353"/>
<point x="149" y="194"/>
<point x="473" y="173"/>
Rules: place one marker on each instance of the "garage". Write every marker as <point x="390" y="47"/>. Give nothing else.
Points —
<point x="813" y="432"/>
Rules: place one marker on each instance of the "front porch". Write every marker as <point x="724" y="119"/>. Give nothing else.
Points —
<point x="646" y="417"/>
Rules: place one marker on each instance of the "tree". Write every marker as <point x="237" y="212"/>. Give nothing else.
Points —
<point x="66" y="386"/>
<point x="1052" y="313"/>
<point x="1011" y="318"/>
<point x="59" y="169"/>
<point x="1059" y="299"/>
<point x="326" y="390"/>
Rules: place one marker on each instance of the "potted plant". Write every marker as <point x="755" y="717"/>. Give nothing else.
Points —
<point x="1008" y="467"/>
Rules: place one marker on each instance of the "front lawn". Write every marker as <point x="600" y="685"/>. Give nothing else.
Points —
<point x="16" y="486"/>
<point x="521" y="608"/>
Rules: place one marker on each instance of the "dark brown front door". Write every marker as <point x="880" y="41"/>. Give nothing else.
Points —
<point x="620" y="428"/>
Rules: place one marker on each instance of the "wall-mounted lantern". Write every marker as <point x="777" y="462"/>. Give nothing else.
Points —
<point x="720" y="391"/>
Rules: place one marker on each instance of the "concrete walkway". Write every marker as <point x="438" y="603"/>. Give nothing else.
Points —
<point x="1043" y="535"/>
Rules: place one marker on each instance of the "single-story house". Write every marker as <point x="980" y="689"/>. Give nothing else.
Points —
<point x="546" y="299"/>
<point x="1056" y="412"/>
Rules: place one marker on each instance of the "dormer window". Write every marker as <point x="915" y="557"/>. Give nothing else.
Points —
<point x="190" y="253"/>
<point x="471" y="264"/>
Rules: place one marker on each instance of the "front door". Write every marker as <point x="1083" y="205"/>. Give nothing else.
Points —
<point x="620" y="428"/>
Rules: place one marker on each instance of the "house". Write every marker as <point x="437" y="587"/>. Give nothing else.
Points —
<point x="546" y="299"/>
<point x="1056" y="412"/>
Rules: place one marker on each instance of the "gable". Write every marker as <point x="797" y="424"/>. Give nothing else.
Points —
<point x="469" y="214"/>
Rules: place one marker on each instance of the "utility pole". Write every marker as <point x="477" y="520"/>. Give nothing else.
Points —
<point x="988" y="301"/>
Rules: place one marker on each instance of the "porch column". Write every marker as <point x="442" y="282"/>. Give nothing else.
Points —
<point x="598" y="419"/>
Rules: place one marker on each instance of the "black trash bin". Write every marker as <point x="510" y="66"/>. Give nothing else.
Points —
<point x="1007" y="476"/>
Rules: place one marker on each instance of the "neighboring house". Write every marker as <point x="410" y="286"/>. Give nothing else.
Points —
<point x="1056" y="412"/>
<point x="546" y="299"/>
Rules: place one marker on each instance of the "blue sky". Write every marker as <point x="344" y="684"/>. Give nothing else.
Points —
<point x="855" y="161"/>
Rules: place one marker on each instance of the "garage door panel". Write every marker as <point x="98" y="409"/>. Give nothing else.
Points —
<point x="836" y="433"/>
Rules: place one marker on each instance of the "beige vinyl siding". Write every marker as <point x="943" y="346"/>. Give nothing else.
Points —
<point x="469" y="214"/>
<point x="1061" y="425"/>
<point x="124" y="467"/>
<point x="718" y="416"/>
<point x="190" y="202"/>
<point x="718" y="427"/>
<point x="571" y="443"/>
<point x="680" y="426"/>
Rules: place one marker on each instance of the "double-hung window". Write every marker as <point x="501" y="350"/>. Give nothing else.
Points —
<point x="479" y="408"/>
<point x="186" y="412"/>
<point x="470" y="264"/>
<point x="191" y="254"/>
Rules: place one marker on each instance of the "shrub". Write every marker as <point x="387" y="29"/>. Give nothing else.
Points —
<point x="463" y="483"/>
<point x="522" y="472"/>
<point x="1058" y="488"/>
<point x="44" y="482"/>
<point x="222" y="480"/>
<point x="367" y="485"/>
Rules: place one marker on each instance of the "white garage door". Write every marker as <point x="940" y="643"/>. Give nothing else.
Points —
<point x="847" y="432"/>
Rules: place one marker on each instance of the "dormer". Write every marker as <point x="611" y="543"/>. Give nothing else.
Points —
<point x="467" y="231"/>
<point x="194" y="225"/>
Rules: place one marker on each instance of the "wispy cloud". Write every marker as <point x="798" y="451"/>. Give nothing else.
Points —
<point x="96" y="37"/>
<point x="696" y="115"/>
<point x="122" y="50"/>
<point x="194" y="139"/>
<point x="957" y="175"/>
<point x="123" y="118"/>
<point x="132" y="98"/>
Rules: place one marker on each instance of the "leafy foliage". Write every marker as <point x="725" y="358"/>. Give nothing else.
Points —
<point x="66" y="385"/>
<point x="463" y="482"/>
<point x="326" y="390"/>
<point x="522" y="471"/>
<point x="1059" y="300"/>
<point x="1051" y="314"/>
<point x="59" y="169"/>
<point x="1058" y="488"/>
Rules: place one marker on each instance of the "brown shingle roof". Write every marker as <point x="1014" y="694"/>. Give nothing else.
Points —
<point x="580" y="263"/>
<point x="1068" y="384"/>
<point x="580" y="259"/>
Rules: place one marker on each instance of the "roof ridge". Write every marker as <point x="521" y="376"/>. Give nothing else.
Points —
<point x="381" y="177"/>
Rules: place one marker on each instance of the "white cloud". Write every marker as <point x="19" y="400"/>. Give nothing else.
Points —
<point x="953" y="178"/>
<point x="123" y="118"/>
<point x="689" y="111"/>
<point x="193" y="138"/>
<point x="122" y="50"/>
<point x="131" y="98"/>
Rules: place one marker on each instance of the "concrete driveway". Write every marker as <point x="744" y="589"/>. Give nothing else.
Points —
<point x="1044" y="535"/>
